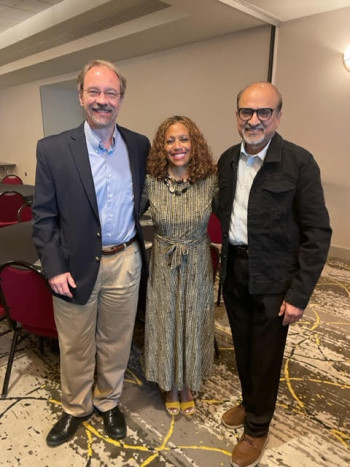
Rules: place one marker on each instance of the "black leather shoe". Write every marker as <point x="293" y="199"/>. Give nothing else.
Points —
<point x="114" y="423"/>
<point x="64" y="429"/>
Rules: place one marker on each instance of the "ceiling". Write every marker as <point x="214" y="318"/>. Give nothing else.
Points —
<point x="47" y="38"/>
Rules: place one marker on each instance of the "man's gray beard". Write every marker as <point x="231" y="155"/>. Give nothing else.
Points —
<point x="253" y="141"/>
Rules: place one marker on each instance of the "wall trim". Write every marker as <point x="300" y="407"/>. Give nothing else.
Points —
<point x="271" y="67"/>
<point x="339" y="252"/>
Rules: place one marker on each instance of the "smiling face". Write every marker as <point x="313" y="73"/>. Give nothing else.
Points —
<point x="101" y="97"/>
<point x="257" y="134"/>
<point x="177" y="146"/>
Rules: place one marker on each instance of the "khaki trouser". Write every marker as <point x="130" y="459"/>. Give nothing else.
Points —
<point x="95" y="338"/>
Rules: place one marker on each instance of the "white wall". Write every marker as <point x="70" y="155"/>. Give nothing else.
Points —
<point x="316" y="91"/>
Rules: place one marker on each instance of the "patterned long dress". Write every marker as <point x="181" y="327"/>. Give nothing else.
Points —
<point x="179" y="329"/>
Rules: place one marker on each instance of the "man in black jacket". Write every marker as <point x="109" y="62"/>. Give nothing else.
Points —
<point x="87" y="231"/>
<point x="276" y="236"/>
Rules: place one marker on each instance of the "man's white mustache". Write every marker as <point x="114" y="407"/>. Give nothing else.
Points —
<point x="253" y="127"/>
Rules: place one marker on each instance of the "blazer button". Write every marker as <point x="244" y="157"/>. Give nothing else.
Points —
<point x="97" y="258"/>
<point x="99" y="234"/>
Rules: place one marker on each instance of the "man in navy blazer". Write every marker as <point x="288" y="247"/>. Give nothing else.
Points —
<point x="276" y="236"/>
<point x="87" y="232"/>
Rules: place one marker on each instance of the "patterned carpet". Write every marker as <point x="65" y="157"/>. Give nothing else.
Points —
<point x="311" y="426"/>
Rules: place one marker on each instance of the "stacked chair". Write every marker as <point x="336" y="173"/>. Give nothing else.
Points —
<point x="24" y="213"/>
<point x="12" y="179"/>
<point x="10" y="202"/>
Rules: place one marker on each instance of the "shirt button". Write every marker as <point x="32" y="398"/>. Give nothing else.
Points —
<point x="97" y="258"/>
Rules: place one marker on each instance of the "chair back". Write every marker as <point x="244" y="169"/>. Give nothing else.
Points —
<point x="4" y="329"/>
<point x="12" y="179"/>
<point x="215" y="235"/>
<point x="215" y="259"/>
<point x="25" y="213"/>
<point x="10" y="202"/>
<point x="26" y="298"/>
<point x="214" y="229"/>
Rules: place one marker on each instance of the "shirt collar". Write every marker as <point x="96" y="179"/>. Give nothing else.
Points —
<point x="261" y="154"/>
<point x="95" y="142"/>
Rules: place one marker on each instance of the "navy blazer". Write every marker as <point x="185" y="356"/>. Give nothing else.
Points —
<point x="66" y="228"/>
<point x="288" y="224"/>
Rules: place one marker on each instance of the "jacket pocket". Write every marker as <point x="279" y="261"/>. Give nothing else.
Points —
<point x="278" y="187"/>
<point x="278" y="197"/>
<point x="277" y="210"/>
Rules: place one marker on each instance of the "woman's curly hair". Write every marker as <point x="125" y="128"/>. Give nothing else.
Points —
<point x="201" y="163"/>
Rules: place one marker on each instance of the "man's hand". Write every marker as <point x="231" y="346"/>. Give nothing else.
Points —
<point x="291" y="313"/>
<point x="60" y="284"/>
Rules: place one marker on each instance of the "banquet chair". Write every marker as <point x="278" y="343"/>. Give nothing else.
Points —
<point x="215" y="259"/>
<point x="3" y="318"/>
<point x="12" y="179"/>
<point x="10" y="202"/>
<point x="25" y="213"/>
<point x="28" y="305"/>
<point x="214" y="232"/>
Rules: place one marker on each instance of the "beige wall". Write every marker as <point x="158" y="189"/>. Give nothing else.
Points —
<point x="201" y="80"/>
<point x="198" y="80"/>
<point x="21" y="125"/>
<point x="316" y="91"/>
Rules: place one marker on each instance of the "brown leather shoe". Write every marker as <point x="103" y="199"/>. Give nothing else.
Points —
<point x="248" y="451"/>
<point x="233" y="418"/>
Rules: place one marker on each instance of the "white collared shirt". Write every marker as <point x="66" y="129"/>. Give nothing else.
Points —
<point x="248" y="167"/>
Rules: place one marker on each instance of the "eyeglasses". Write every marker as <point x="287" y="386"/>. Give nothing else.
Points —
<point x="95" y="93"/>
<point x="263" y="114"/>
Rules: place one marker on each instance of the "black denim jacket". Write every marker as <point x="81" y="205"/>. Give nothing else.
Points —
<point x="288" y="223"/>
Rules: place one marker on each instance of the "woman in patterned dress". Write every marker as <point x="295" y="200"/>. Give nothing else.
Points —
<point x="179" y="329"/>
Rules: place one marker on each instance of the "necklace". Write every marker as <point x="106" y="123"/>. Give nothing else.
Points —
<point x="174" y="186"/>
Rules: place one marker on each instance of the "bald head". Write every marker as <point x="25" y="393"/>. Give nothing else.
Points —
<point x="262" y="87"/>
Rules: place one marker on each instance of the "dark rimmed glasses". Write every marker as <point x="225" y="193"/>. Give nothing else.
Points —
<point x="263" y="114"/>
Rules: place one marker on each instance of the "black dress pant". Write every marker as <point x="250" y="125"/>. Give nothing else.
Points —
<point x="259" y="340"/>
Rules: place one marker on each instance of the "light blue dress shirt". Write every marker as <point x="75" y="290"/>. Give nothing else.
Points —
<point x="113" y="186"/>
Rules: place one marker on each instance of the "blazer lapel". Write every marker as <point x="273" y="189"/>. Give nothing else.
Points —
<point x="79" y="151"/>
<point x="132" y="152"/>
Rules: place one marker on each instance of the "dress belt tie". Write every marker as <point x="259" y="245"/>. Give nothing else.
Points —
<point x="177" y="250"/>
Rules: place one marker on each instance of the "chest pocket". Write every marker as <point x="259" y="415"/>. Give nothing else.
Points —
<point x="278" y="197"/>
<point x="278" y="186"/>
